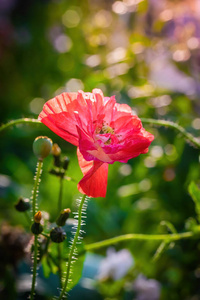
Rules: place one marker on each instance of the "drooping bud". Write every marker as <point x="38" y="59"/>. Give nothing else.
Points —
<point x="38" y="217"/>
<point x="57" y="235"/>
<point x="42" y="147"/>
<point x="56" y="151"/>
<point x="65" y="162"/>
<point x="64" y="215"/>
<point x="22" y="204"/>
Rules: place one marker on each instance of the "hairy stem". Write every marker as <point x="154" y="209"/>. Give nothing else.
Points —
<point x="19" y="121"/>
<point x="34" y="206"/>
<point x="143" y="237"/>
<point x="34" y="267"/>
<point x="36" y="185"/>
<point x="71" y="253"/>
<point x="188" y="136"/>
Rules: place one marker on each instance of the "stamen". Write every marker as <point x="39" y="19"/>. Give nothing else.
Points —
<point x="106" y="129"/>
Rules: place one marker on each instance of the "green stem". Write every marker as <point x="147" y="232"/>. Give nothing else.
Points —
<point x="35" y="188"/>
<point x="34" y="268"/>
<point x="34" y="206"/>
<point x="59" y="245"/>
<point x="59" y="264"/>
<point x="19" y="121"/>
<point x="73" y="248"/>
<point x="27" y="217"/>
<point x="142" y="237"/>
<point x="60" y="195"/>
<point x="188" y="136"/>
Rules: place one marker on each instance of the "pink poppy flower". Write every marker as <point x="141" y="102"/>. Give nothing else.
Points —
<point x="103" y="131"/>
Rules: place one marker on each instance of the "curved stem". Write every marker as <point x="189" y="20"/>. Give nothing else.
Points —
<point x="165" y="123"/>
<point x="188" y="136"/>
<point x="19" y="121"/>
<point x="73" y="248"/>
<point x="36" y="184"/>
<point x="142" y="237"/>
<point x="34" y="268"/>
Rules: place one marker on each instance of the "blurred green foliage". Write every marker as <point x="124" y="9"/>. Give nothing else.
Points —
<point x="48" y="47"/>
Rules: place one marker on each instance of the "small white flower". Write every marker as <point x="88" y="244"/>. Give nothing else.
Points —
<point x="115" y="265"/>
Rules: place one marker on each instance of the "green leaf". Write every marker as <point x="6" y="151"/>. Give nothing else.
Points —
<point x="48" y="266"/>
<point x="194" y="192"/>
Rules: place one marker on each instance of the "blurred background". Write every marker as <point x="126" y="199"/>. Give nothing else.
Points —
<point x="147" y="53"/>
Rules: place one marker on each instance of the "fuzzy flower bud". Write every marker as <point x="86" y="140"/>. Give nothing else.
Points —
<point x="42" y="146"/>
<point x="22" y="204"/>
<point x="64" y="215"/>
<point x="57" y="235"/>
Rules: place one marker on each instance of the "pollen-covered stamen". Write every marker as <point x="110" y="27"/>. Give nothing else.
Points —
<point x="106" y="129"/>
<point x="104" y="134"/>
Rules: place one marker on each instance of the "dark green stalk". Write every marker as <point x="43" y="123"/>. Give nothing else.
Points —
<point x="60" y="195"/>
<point x="27" y="217"/>
<point x="59" y="245"/>
<point x="34" y="268"/>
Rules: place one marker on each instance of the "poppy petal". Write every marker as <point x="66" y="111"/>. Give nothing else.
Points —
<point x="94" y="182"/>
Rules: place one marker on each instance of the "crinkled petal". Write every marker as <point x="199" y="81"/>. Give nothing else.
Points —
<point x="94" y="182"/>
<point x="58" y="115"/>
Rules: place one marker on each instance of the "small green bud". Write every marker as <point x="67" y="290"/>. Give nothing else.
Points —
<point x="42" y="147"/>
<point x="65" y="162"/>
<point x="64" y="215"/>
<point x="36" y="228"/>
<point x="22" y="204"/>
<point x="57" y="235"/>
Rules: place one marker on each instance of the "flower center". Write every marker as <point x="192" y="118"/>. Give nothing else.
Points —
<point x="106" y="129"/>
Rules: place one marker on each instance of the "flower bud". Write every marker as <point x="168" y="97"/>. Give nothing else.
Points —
<point x="64" y="215"/>
<point x="65" y="162"/>
<point x="36" y="228"/>
<point x="42" y="146"/>
<point x="56" y="151"/>
<point x="57" y="235"/>
<point x="38" y="217"/>
<point x="22" y="204"/>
